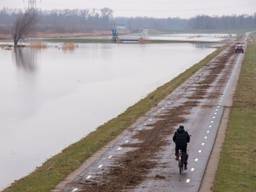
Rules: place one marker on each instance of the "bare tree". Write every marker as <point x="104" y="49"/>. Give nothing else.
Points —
<point x="24" y="23"/>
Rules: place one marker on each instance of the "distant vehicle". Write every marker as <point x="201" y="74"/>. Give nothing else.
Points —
<point x="239" y="48"/>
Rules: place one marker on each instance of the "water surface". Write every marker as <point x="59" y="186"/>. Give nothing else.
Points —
<point x="188" y="37"/>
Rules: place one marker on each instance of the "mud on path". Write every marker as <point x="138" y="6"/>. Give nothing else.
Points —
<point x="130" y="168"/>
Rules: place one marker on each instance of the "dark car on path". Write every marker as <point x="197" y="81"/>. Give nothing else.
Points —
<point x="239" y="48"/>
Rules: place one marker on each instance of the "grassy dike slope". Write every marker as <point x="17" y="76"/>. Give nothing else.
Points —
<point x="237" y="166"/>
<point x="59" y="166"/>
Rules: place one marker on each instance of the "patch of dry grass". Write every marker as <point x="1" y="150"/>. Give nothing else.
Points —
<point x="38" y="45"/>
<point x="69" y="46"/>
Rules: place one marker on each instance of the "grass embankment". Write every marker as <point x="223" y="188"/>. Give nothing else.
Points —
<point x="58" y="167"/>
<point x="237" y="167"/>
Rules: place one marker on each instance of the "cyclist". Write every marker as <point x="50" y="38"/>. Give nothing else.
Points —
<point x="181" y="138"/>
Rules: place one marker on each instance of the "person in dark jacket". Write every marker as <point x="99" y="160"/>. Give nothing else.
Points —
<point x="181" y="138"/>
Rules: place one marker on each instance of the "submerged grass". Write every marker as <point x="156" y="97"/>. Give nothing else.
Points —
<point x="237" y="167"/>
<point x="38" y="45"/>
<point x="53" y="171"/>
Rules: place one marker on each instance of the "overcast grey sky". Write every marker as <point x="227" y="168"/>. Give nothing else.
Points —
<point x="155" y="8"/>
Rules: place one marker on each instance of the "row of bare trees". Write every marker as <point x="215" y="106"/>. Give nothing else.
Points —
<point x="57" y="21"/>
<point x="201" y="23"/>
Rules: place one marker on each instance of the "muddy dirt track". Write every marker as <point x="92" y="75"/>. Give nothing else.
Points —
<point x="142" y="158"/>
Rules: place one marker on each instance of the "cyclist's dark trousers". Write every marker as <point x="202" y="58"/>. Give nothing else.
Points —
<point x="183" y="149"/>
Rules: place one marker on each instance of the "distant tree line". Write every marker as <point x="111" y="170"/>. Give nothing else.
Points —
<point x="140" y="23"/>
<point x="76" y="21"/>
<point x="62" y="21"/>
<point x="198" y="23"/>
<point x="224" y="22"/>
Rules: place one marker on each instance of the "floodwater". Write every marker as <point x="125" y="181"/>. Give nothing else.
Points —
<point x="193" y="37"/>
<point x="51" y="99"/>
<point x="202" y="37"/>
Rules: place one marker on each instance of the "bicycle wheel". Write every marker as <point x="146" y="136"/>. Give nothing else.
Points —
<point x="180" y="166"/>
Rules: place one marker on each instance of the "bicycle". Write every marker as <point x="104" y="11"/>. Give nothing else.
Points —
<point x="182" y="161"/>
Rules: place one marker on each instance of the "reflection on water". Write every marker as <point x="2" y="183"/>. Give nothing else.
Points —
<point x="25" y="59"/>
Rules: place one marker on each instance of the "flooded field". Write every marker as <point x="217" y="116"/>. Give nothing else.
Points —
<point x="51" y="98"/>
<point x="188" y="37"/>
<point x="193" y="37"/>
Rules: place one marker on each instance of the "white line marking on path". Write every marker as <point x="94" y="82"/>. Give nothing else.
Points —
<point x="188" y="181"/>
<point x="207" y="131"/>
<point x="110" y="157"/>
<point x="202" y="144"/>
<point x="192" y="169"/>
<point x="119" y="148"/>
<point x="100" y="166"/>
<point x="196" y="159"/>
<point x="75" y="189"/>
<point x="199" y="151"/>
<point x="205" y="137"/>
<point x="88" y="177"/>
<point x="210" y="126"/>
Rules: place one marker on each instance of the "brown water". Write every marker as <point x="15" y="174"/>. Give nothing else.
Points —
<point x="50" y="98"/>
